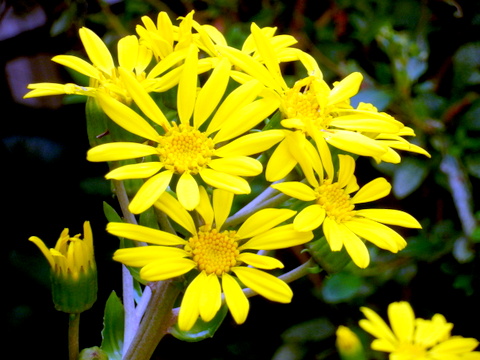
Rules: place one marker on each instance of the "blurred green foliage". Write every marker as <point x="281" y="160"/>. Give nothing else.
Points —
<point x="421" y="63"/>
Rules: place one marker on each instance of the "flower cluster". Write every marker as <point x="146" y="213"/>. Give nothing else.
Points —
<point x="208" y="120"/>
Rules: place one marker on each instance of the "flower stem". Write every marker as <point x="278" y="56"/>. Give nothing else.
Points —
<point x="156" y="321"/>
<point x="73" y="332"/>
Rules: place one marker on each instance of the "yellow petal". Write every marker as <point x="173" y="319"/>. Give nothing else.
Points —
<point x="332" y="234"/>
<point x="212" y="92"/>
<point x="239" y="165"/>
<point x="119" y="151"/>
<point x="375" y="325"/>
<point x="135" y="171"/>
<point x="264" y="284"/>
<point x="378" y="234"/>
<point x="355" y="143"/>
<point x="280" y="164"/>
<point x="236" y="300"/>
<point x="189" y="308"/>
<point x="142" y="255"/>
<point x="204" y="207"/>
<point x="96" y="50"/>
<point x="390" y="217"/>
<point x="127" y="52"/>
<point x="144" y="233"/>
<point x="346" y="170"/>
<point x="345" y="89"/>
<point x="175" y="211"/>
<point x="250" y="144"/>
<point x="187" y="86"/>
<point x="374" y="190"/>
<point x="363" y="123"/>
<point x="262" y="221"/>
<point x="296" y="190"/>
<point x="355" y="246"/>
<point x="142" y="98"/>
<point x="149" y="192"/>
<point x="166" y="269"/>
<point x="278" y="238"/>
<point x="126" y="117"/>
<point x="228" y="182"/>
<point x="211" y="297"/>
<point x="187" y="191"/>
<point x="260" y="261"/>
<point x="43" y="248"/>
<point x="309" y="218"/>
<point x="222" y="204"/>
<point x="402" y="320"/>
<point x="77" y="64"/>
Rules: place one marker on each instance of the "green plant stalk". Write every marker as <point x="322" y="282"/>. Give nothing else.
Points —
<point x="73" y="332"/>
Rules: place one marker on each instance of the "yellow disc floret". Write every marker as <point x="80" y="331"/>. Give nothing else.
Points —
<point x="214" y="252"/>
<point x="335" y="201"/>
<point x="185" y="149"/>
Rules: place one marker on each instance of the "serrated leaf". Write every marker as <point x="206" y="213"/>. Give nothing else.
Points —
<point x="201" y="330"/>
<point x="113" y="327"/>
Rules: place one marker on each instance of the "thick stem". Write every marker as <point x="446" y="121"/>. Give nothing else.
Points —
<point x="73" y="332"/>
<point x="156" y="321"/>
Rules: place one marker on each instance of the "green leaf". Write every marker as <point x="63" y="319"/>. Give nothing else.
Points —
<point x="113" y="324"/>
<point x="201" y="330"/>
<point x="342" y="287"/>
<point x="408" y="177"/>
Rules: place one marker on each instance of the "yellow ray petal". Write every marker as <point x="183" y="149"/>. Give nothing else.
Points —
<point x="222" y="204"/>
<point x="126" y="117"/>
<point x="402" y="320"/>
<point x="332" y="234"/>
<point x="144" y="233"/>
<point x="43" y="248"/>
<point x="239" y="165"/>
<point x="345" y="89"/>
<point x="278" y="238"/>
<point x="143" y="99"/>
<point x="210" y="298"/>
<point x="204" y="207"/>
<point x="309" y="218"/>
<point x="250" y="144"/>
<point x="150" y="191"/>
<point x="236" y="300"/>
<point x="135" y="171"/>
<point x="280" y="164"/>
<point x="374" y="190"/>
<point x="346" y="170"/>
<point x="166" y="269"/>
<point x="189" y="308"/>
<point x="296" y="190"/>
<point x="211" y="93"/>
<point x="378" y="234"/>
<point x="264" y="284"/>
<point x="355" y="143"/>
<point x="119" y="151"/>
<point x="355" y="246"/>
<point x="375" y="325"/>
<point x="365" y="124"/>
<point x="260" y="261"/>
<point x="127" y="52"/>
<point x="187" y="86"/>
<point x="262" y="221"/>
<point x="390" y="217"/>
<point x="174" y="210"/>
<point x="228" y="182"/>
<point x="77" y="64"/>
<point x="187" y="191"/>
<point x="141" y="256"/>
<point x="96" y="50"/>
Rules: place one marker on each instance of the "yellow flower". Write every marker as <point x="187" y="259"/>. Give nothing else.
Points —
<point x="222" y="259"/>
<point x="73" y="270"/>
<point x="184" y="149"/>
<point x="410" y="338"/>
<point x="330" y="205"/>
<point x="132" y="56"/>
<point x="318" y="111"/>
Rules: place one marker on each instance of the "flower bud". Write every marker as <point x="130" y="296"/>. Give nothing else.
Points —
<point x="73" y="272"/>
<point x="348" y="344"/>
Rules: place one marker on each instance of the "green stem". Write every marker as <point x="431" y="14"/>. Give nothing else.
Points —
<point x="73" y="332"/>
<point x="156" y="321"/>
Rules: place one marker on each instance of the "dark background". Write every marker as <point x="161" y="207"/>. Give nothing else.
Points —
<point x="47" y="184"/>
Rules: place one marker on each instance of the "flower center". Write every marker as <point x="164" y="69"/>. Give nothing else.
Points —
<point x="335" y="201"/>
<point x="184" y="148"/>
<point x="213" y="252"/>
<point x="302" y="102"/>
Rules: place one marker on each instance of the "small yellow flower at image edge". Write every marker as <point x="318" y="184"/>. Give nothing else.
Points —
<point x="73" y="270"/>
<point x="220" y="257"/>
<point x="410" y="338"/>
